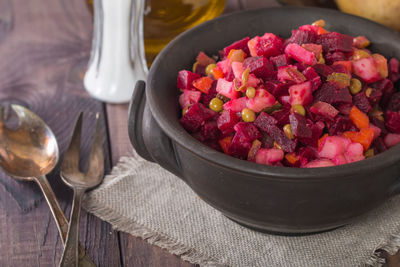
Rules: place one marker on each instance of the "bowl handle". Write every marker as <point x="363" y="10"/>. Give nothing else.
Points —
<point x="149" y="141"/>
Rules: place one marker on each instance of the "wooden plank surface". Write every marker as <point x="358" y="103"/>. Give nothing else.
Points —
<point x="44" y="49"/>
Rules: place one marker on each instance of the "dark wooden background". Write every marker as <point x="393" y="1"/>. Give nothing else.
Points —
<point x="44" y="49"/>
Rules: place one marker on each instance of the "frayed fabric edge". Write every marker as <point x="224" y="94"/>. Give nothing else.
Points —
<point x="391" y="246"/>
<point x="120" y="223"/>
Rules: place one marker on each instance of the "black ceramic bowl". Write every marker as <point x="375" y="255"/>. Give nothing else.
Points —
<point x="289" y="200"/>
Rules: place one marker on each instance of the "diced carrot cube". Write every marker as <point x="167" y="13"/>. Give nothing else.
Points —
<point x="203" y="84"/>
<point x="217" y="73"/>
<point x="364" y="137"/>
<point x="359" y="118"/>
<point x="292" y="158"/>
<point x="322" y="31"/>
<point x="224" y="143"/>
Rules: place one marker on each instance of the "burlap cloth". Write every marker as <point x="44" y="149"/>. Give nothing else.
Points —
<point x="144" y="200"/>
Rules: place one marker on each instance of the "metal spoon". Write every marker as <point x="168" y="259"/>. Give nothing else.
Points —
<point x="80" y="182"/>
<point x="28" y="153"/>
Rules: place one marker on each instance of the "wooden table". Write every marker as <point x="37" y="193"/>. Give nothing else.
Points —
<point x="44" y="49"/>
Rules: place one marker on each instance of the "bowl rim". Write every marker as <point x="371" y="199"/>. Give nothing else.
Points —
<point x="214" y="157"/>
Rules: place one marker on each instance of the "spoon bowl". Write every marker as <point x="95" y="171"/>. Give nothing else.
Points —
<point x="32" y="145"/>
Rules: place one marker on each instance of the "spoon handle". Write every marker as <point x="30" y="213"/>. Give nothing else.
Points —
<point x="70" y="254"/>
<point x="61" y="220"/>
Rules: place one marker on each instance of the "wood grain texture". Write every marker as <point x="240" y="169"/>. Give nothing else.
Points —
<point x="44" y="49"/>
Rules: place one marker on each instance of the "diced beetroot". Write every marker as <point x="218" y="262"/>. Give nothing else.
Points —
<point x="334" y="56"/>
<point x="316" y="130"/>
<point x="394" y="102"/>
<point x="323" y="70"/>
<point x="324" y="109"/>
<point x="247" y="130"/>
<point x="302" y="37"/>
<point x="319" y="163"/>
<point x="210" y="131"/>
<point x="307" y="154"/>
<point x="279" y="89"/>
<point x="263" y="121"/>
<point x="189" y="97"/>
<point x="375" y="96"/>
<point x="236" y="105"/>
<point x="298" y="124"/>
<point x="185" y="79"/>
<point x="332" y="94"/>
<point x="195" y="117"/>
<point x="200" y="69"/>
<point x="331" y="146"/>
<point x="354" y="152"/>
<point x="362" y="103"/>
<point x="386" y="86"/>
<point x="377" y="130"/>
<point x="392" y="121"/>
<point x="391" y="140"/>
<point x="339" y="68"/>
<point x="335" y="41"/>
<point x="281" y="60"/>
<point x="224" y="65"/>
<point x="313" y="77"/>
<point x="394" y="74"/>
<point x="227" y="121"/>
<point x="267" y="124"/>
<point x="340" y="125"/>
<point x="239" y="147"/>
<point x="260" y="67"/>
<point x="226" y="89"/>
<point x="365" y="68"/>
<point x="339" y="159"/>
<point x="301" y="94"/>
<point x="204" y="60"/>
<point x="268" y="45"/>
<point x="269" y="156"/>
<point x="263" y="99"/>
<point x="212" y="93"/>
<point x="266" y="141"/>
<point x="300" y="54"/>
<point x="241" y="44"/>
<point x="282" y="116"/>
<point x="374" y="120"/>
<point x="281" y="139"/>
<point x="345" y="108"/>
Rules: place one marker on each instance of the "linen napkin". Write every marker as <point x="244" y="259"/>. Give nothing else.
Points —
<point x="143" y="199"/>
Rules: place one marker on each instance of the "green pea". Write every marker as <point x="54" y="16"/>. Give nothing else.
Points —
<point x="216" y="104"/>
<point x="248" y="115"/>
